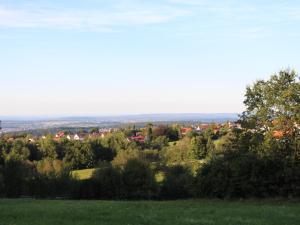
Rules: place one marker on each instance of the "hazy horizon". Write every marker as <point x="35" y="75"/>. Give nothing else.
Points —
<point x="15" y="124"/>
<point x="95" y="57"/>
<point x="53" y="117"/>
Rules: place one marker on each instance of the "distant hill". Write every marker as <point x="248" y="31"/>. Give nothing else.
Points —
<point x="208" y="117"/>
<point x="15" y="124"/>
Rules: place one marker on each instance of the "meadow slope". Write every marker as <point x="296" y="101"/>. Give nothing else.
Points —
<point x="50" y="212"/>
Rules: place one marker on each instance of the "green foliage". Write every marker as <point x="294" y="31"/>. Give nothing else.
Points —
<point x="48" y="166"/>
<point x="260" y="160"/>
<point x="171" y="133"/>
<point x="150" y="155"/>
<point x="14" y="177"/>
<point x="124" y="156"/>
<point x="159" y="142"/>
<point x="138" y="180"/>
<point x="247" y="175"/>
<point x="198" y="148"/>
<point x="18" y="151"/>
<point x="149" y="132"/>
<point x="48" y="148"/>
<point x="116" y="142"/>
<point x="186" y="152"/>
<point x="107" y="181"/>
<point x="50" y="185"/>
<point x="93" y="130"/>
<point x="79" y="156"/>
<point x="210" y="146"/>
<point x="34" y="152"/>
<point x="178" y="153"/>
<point x="178" y="183"/>
<point x="229" y="142"/>
<point x="276" y="98"/>
<point x="2" y="185"/>
<point x="274" y="105"/>
<point x="101" y="152"/>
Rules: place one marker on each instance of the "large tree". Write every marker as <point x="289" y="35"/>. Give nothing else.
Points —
<point x="273" y="107"/>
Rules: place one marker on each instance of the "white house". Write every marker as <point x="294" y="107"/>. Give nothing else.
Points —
<point x="78" y="137"/>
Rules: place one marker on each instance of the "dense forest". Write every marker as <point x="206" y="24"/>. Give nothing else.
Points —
<point x="260" y="159"/>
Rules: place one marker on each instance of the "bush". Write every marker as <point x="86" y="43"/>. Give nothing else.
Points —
<point x="107" y="182"/>
<point x="1" y="183"/>
<point x="14" y="177"/>
<point x="50" y="185"/>
<point x="211" y="179"/>
<point x="178" y="183"/>
<point x="83" y="189"/>
<point x="138" y="181"/>
<point x="124" y="156"/>
<point x="239" y="175"/>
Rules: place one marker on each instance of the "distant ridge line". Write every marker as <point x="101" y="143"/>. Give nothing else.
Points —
<point x="126" y="117"/>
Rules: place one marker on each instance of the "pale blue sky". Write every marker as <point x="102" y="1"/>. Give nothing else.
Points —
<point x="95" y="57"/>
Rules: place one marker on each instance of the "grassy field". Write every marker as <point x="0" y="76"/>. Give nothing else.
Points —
<point x="65" y="212"/>
<point x="83" y="174"/>
<point x="87" y="174"/>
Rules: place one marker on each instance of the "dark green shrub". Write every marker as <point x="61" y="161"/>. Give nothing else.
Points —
<point x="178" y="183"/>
<point x="1" y="183"/>
<point x="238" y="175"/>
<point x="50" y="185"/>
<point x="138" y="181"/>
<point x="107" y="182"/>
<point x="14" y="177"/>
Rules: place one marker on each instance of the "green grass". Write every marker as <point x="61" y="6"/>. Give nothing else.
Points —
<point x="83" y="174"/>
<point x="87" y="174"/>
<point x="160" y="177"/>
<point x="65" y="212"/>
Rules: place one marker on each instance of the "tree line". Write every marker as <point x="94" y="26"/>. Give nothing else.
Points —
<point x="259" y="160"/>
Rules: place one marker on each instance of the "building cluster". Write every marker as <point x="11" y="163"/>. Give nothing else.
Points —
<point x="101" y="133"/>
<point x="138" y="138"/>
<point x="214" y="127"/>
<point x="199" y="128"/>
<point x="140" y="135"/>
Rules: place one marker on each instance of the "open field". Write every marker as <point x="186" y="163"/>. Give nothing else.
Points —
<point x="83" y="174"/>
<point x="50" y="212"/>
<point x="87" y="174"/>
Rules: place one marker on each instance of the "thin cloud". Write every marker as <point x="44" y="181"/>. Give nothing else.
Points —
<point x="272" y="10"/>
<point x="118" y="14"/>
<point x="85" y="19"/>
<point x="242" y="19"/>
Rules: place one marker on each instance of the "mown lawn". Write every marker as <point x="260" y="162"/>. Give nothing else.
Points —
<point x="65" y="212"/>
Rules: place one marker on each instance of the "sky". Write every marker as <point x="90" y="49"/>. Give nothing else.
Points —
<point x="97" y="57"/>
